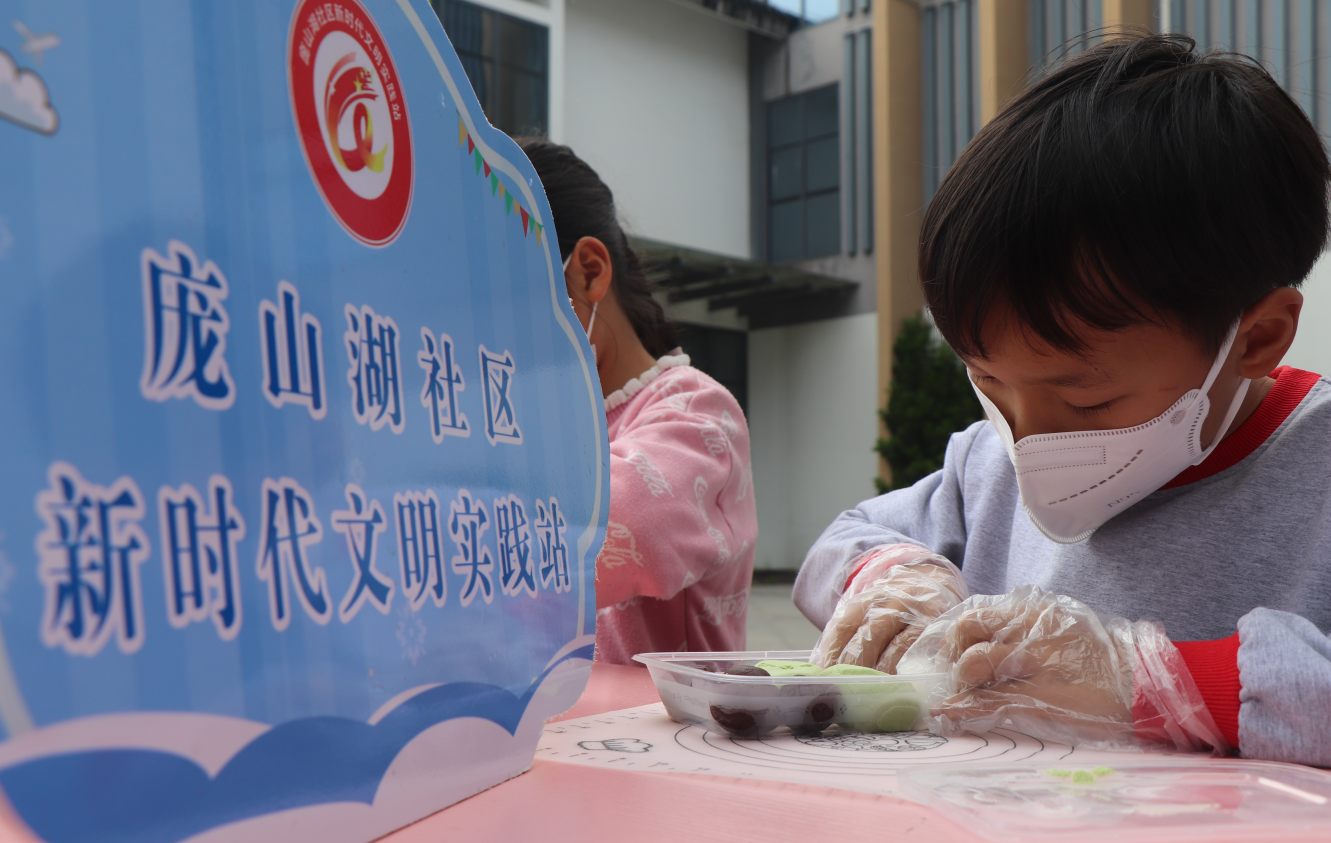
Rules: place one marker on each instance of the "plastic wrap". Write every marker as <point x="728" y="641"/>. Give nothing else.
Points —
<point x="1049" y="666"/>
<point x="1178" y="799"/>
<point x="897" y="592"/>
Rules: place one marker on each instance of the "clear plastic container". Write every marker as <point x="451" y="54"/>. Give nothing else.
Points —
<point x="1202" y="799"/>
<point x="696" y="689"/>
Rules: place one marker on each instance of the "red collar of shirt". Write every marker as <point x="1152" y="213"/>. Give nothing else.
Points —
<point x="1290" y="388"/>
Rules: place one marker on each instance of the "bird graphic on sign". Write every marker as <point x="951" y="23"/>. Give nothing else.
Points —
<point x="35" y="45"/>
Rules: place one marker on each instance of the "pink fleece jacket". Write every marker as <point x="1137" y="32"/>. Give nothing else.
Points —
<point x="675" y="570"/>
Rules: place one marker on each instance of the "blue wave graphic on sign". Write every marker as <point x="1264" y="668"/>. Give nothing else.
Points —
<point x="149" y="796"/>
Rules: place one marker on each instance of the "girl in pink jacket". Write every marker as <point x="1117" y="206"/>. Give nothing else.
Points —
<point x="675" y="570"/>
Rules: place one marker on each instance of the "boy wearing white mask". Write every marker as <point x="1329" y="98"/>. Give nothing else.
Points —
<point x="1116" y="258"/>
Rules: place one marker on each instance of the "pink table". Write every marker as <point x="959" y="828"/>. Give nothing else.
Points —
<point x="569" y="803"/>
<point x="551" y="802"/>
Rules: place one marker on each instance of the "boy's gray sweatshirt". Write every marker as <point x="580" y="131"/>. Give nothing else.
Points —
<point x="1246" y="549"/>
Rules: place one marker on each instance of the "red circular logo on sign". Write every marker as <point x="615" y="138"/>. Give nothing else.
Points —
<point x="351" y="117"/>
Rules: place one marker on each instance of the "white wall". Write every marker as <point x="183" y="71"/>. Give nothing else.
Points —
<point x="815" y="56"/>
<point x="813" y="422"/>
<point x="656" y="100"/>
<point x="1312" y="344"/>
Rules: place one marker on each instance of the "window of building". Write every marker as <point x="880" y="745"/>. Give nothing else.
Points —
<point x="803" y="176"/>
<point x="1291" y="38"/>
<point x="1057" y="25"/>
<point x="721" y="353"/>
<point x="857" y="148"/>
<point x="507" y="60"/>
<point x="951" y="77"/>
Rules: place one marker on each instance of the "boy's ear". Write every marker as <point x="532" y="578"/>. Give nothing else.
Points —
<point x="1267" y="331"/>
<point x="589" y="270"/>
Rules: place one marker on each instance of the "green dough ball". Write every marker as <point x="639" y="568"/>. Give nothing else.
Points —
<point x="1059" y="774"/>
<point x="870" y="714"/>
<point x="851" y="670"/>
<point x="779" y="667"/>
<point x="1103" y="771"/>
<point x="897" y="717"/>
<point x="1083" y="777"/>
<point x="876" y="706"/>
<point x="885" y="689"/>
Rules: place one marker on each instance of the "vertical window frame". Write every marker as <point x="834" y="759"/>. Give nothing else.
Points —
<point x="805" y="140"/>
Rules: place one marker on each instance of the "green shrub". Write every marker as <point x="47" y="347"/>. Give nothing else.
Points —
<point x="930" y="399"/>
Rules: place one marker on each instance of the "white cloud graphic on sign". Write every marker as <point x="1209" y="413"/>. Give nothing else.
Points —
<point x="24" y="99"/>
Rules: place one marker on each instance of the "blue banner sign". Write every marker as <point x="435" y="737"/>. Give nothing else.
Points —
<point x="304" y="456"/>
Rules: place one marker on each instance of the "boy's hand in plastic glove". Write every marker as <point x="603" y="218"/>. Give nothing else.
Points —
<point x="1058" y="671"/>
<point x="898" y="590"/>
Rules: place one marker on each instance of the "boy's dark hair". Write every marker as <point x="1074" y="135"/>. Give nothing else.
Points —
<point x="1136" y="181"/>
<point x="583" y="206"/>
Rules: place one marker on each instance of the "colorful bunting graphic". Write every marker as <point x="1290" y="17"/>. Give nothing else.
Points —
<point x="496" y="186"/>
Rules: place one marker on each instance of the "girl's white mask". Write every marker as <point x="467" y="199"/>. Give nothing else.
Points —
<point x="1072" y="483"/>
<point x="590" y="322"/>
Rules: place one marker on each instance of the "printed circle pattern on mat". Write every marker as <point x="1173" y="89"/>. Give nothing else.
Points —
<point x="841" y="752"/>
<point x="351" y="117"/>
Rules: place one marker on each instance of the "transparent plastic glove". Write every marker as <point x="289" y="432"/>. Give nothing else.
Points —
<point x="885" y="607"/>
<point x="1048" y="666"/>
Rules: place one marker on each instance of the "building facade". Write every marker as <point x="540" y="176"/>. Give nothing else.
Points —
<point x="772" y="158"/>
<point x="736" y="136"/>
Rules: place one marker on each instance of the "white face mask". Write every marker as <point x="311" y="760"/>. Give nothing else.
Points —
<point x="590" y="322"/>
<point x="1072" y="483"/>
